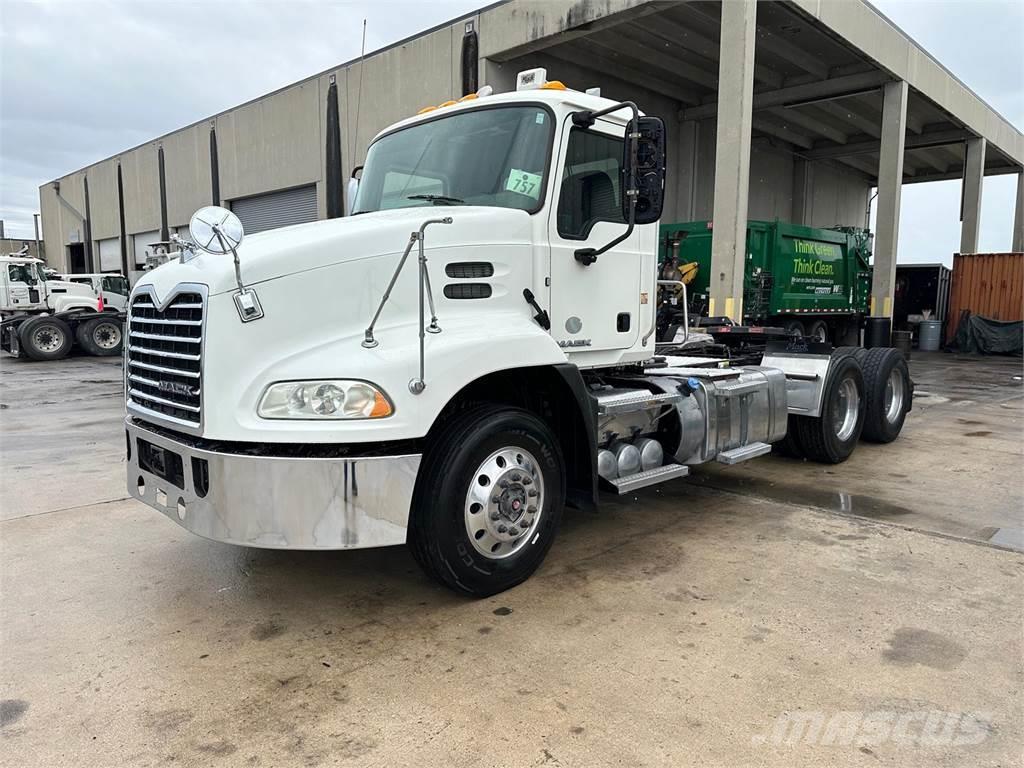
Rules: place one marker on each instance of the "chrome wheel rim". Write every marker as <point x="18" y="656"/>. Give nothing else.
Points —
<point x="504" y="503"/>
<point x="844" y="419"/>
<point x="894" y="394"/>
<point x="48" y="339"/>
<point x="106" y="335"/>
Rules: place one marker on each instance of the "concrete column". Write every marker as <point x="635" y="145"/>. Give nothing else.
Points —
<point x="686" y="163"/>
<point x="1018" y="216"/>
<point x="732" y="158"/>
<point x="890" y="183"/>
<point x="801" y="190"/>
<point x="970" y="206"/>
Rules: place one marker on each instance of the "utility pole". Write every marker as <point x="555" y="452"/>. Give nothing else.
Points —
<point x="35" y="220"/>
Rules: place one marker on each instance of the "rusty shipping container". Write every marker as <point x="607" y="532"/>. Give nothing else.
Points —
<point x="987" y="284"/>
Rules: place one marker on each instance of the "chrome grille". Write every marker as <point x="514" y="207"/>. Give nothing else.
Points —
<point x="165" y="371"/>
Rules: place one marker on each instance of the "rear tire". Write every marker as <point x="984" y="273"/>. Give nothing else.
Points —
<point x="488" y="500"/>
<point x="101" y="336"/>
<point x="794" y="328"/>
<point x="818" y="331"/>
<point x="831" y="437"/>
<point x="45" y="338"/>
<point x="889" y="393"/>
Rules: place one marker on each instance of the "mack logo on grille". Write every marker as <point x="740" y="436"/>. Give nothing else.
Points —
<point x="177" y="388"/>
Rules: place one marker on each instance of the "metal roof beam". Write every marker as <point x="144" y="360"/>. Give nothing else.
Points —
<point x="618" y="40"/>
<point x="782" y="132"/>
<point x="770" y="43"/>
<point x="835" y="87"/>
<point x="841" y="109"/>
<point x="931" y="158"/>
<point x="932" y="139"/>
<point x="705" y="47"/>
<point x="597" y="61"/>
<point x="808" y="122"/>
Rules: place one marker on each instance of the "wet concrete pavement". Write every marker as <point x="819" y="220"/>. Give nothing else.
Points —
<point x="686" y="625"/>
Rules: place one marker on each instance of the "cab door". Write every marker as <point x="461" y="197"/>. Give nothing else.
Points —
<point x="593" y="308"/>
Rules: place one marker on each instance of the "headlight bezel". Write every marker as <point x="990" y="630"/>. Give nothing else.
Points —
<point x="381" y="406"/>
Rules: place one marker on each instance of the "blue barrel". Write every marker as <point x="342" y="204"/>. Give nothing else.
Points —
<point x="929" y="334"/>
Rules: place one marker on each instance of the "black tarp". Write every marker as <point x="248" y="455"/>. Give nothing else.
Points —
<point x="981" y="335"/>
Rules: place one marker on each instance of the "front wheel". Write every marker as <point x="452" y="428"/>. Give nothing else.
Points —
<point x="488" y="501"/>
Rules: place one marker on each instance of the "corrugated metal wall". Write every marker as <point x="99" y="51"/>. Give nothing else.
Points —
<point x="987" y="284"/>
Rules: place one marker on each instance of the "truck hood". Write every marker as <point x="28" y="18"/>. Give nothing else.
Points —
<point x="66" y="286"/>
<point x="303" y="247"/>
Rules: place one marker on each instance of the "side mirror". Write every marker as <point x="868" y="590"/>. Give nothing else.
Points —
<point x="646" y="171"/>
<point x="216" y="230"/>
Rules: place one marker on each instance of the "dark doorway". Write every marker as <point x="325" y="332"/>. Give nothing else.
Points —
<point x="76" y="257"/>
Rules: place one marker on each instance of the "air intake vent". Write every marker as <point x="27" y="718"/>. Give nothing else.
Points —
<point x="467" y="291"/>
<point x="164" y="356"/>
<point x="469" y="270"/>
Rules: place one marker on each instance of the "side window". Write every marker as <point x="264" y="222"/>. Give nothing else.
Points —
<point x="591" y="183"/>
<point x="116" y="285"/>
<point x="399" y="185"/>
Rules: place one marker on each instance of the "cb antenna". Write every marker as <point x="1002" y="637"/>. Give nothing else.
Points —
<point x="359" y="93"/>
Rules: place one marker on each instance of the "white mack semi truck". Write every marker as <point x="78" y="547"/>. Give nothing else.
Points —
<point x="469" y="352"/>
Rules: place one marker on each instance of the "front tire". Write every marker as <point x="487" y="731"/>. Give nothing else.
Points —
<point x="488" y="500"/>
<point x="45" y="338"/>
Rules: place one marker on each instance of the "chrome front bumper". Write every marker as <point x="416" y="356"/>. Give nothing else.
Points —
<point x="273" y="502"/>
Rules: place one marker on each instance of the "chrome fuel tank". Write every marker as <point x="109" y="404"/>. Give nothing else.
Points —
<point x="723" y="408"/>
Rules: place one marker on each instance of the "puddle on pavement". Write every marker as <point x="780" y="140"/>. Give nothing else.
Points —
<point x="836" y="501"/>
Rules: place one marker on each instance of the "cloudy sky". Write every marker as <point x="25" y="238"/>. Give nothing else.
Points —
<point x="81" y="80"/>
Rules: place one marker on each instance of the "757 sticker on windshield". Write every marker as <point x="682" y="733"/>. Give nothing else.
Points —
<point x="524" y="183"/>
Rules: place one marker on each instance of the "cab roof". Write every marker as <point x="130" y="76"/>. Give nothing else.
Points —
<point x="565" y="100"/>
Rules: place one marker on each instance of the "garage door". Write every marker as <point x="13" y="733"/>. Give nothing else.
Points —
<point x="110" y="254"/>
<point x="141" y="244"/>
<point x="276" y="209"/>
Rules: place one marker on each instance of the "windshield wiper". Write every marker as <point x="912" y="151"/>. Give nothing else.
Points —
<point x="438" y="199"/>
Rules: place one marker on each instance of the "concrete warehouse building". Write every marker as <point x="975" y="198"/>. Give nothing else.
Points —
<point x="793" y="109"/>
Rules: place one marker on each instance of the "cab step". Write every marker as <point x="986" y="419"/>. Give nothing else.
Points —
<point x="630" y="483"/>
<point x="629" y="401"/>
<point x="744" y="453"/>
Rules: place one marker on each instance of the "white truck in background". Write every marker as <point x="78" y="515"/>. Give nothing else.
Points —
<point x="112" y="286"/>
<point x="467" y="354"/>
<point x="43" y="319"/>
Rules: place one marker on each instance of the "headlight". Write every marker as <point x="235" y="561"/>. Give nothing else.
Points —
<point x="332" y="399"/>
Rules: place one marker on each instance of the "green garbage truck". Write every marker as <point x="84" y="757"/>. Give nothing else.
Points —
<point x="811" y="282"/>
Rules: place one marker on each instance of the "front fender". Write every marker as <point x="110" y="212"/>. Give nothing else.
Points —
<point x="462" y="353"/>
<point x="69" y="303"/>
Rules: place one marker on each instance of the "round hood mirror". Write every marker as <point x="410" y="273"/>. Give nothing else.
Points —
<point x="216" y="230"/>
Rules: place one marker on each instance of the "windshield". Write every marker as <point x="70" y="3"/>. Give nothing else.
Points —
<point x="115" y="284"/>
<point x="496" y="157"/>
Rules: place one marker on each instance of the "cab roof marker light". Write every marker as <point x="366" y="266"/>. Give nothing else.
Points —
<point x="448" y="103"/>
<point x="531" y="79"/>
<point x="554" y="85"/>
<point x="468" y="97"/>
<point x="425" y="110"/>
<point x="593" y="91"/>
<point x="485" y="91"/>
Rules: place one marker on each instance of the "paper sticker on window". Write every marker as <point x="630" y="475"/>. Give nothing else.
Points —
<point x="524" y="182"/>
<point x="540" y="118"/>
